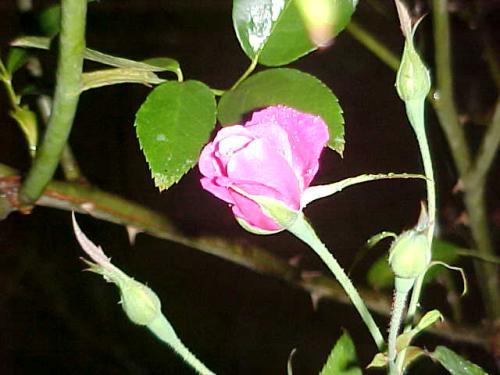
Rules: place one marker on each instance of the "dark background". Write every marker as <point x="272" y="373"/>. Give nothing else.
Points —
<point x="56" y="319"/>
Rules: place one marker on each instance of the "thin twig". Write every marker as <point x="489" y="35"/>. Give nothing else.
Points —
<point x="473" y="192"/>
<point x="373" y="44"/>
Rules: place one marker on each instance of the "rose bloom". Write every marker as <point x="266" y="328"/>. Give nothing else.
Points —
<point x="275" y="155"/>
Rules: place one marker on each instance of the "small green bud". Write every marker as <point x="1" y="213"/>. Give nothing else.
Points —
<point x="410" y="254"/>
<point x="139" y="302"/>
<point x="413" y="80"/>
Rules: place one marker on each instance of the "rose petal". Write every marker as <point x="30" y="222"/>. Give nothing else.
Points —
<point x="259" y="169"/>
<point x="207" y="164"/>
<point x="251" y="213"/>
<point x="275" y="135"/>
<point x="214" y="156"/>
<point x="221" y="192"/>
<point x="307" y="134"/>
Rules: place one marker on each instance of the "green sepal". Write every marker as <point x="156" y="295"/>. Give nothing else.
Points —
<point x="272" y="208"/>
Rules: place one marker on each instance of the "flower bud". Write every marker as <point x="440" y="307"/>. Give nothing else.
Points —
<point x="139" y="302"/>
<point x="413" y="80"/>
<point x="410" y="254"/>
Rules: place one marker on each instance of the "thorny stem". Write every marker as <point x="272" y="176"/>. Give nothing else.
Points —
<point x="415" y="113"/>
<point x="69" y="165"/>
<point x="402" y="287"/>
<point x="162" y="329"/>
<point x="111" y="208"/>
<point x="303" y="231"/>
<point x="68" y="84"/>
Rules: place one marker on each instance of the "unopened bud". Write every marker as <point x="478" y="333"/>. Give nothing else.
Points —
<point x="139" y="302"/>
<point x="413" y="80"/>
<point x="410" y="254"/>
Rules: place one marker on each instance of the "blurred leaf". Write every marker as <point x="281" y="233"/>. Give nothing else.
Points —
<point x="158" y="64"/>
<point x="173" y="124"/>
<point x="289" y="366"/>
<point x="454" y="363"/>
<point x="274" y="29"/>
<point x="31" y="41"/>
<point x="50" y="20"/>
<point x="16" y="58"/>
<point x="342" y="359"/>
<point x="28" y="124"/>
<point x="289" y="87"/>
<point x="380" y="275"/>
<point x="116" y="76"/>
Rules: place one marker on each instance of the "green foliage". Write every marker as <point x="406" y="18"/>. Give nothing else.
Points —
<point x="172" y="125"/>
<point x="49" y="20"/>
<point x="342" y="359"/>
<point x="289" y="87"/>
<point x="380" y="275"/>
<point x="274" y="30"/>
<point x="454" y="363"/>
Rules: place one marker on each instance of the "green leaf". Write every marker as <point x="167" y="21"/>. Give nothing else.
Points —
<point x="289" y="87"/>
<point x="380" y="275"/>
<point x="379" y="360"/>
<point x="173" y="124"/>
<point x="16" y="58"/>
<point x="427" y="320"/>
<point x="274" y="29"/>
<point x="342" y="359"/>
<point x="454" y="363"/>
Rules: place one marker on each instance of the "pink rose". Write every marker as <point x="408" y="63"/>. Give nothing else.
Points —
<point x="275" y="155"/>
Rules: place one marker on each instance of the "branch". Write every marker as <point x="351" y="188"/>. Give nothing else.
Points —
<point x="473" y="190"/>
<point x="444" y="102"/>
<point x="487" y="151"/>
<point x="68" y="84"/>
<point x="76" y="197"/>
